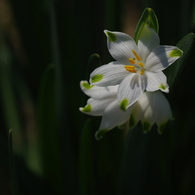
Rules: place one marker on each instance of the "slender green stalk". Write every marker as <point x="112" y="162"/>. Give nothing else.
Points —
<point x="14" y="182"/>
<point x="126" y="130"/>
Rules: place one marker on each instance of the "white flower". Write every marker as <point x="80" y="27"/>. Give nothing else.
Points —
<point x="151" y="107"/>
<point x="138" y="67"/>
<point x="103" y="102"/>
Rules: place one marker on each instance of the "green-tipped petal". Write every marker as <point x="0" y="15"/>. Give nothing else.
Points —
<point x="148" y="109"/>
<point x="123" y="104"/>
<point x="120" y="46"/>
<point x="134" y="118"/>
<point x="113" y="116"/>
<point x="176" y="53"/>
<point x="87" y="108"/>
<point x="97" y="78"/>
<point x="156" y="81"/>
<point x="163" y="87"/>
<point x="161" y="128"/>
<point x="111" y="36"/>
<point x="132" y="121"/>
<point x="96" y="107"/>
<point x="160" y="58"/>
<point x="99" y="134"/>
<point x="154" y="108"/>
<point x="86" y="85"/>
<point x="113" y="73"/>
<point x="146" y="126"/>
<point x="98" y="92"/>
<point x="131" y="88"/>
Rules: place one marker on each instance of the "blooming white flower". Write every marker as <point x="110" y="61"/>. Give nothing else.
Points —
<point x="103" y="102"/>
<point x="151" y="107"/>
<point x="138" y="67"/>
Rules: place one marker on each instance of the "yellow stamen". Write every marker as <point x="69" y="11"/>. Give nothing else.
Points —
<point x="136" y="55"/>
<point x="130" y="68"/>
<point x="142" y="71"/>
<point x="141" y="64"/>
<point x="132" y="61"/>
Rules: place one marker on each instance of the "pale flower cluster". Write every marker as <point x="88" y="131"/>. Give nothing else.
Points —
<point x="130" y="87"/>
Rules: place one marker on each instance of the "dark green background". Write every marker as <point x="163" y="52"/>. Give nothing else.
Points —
<point x="40" y="96"/>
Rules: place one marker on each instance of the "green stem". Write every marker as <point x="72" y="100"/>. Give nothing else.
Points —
<point x="126" y="130"/>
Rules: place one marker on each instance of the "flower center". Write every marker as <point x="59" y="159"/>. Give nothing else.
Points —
<point x="138" y="64"/>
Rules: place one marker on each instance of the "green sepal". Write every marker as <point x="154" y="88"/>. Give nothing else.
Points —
<point x="172" y="72"/>
<point x="147" y="19"/>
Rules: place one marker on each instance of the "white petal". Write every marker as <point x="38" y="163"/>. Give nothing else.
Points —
<point x="148" y="40"/>
<point x="110" y="74"/>
<point x="120" y="46"/>
<point x="112" y="117"/>
<point x="98" y="92"/>
<point x="139" y="108"/>
<point x="162" y="57"/>
<point x="96" y="107"/>
<point x="156" y="81"/>
<point x="130" y="89"/>
<point x="154" y="108"/>
<point x="165" y="113"/>
<point x="160" y="109"/>
<point x="147" y="117"/>
<point x="136" y="115"/>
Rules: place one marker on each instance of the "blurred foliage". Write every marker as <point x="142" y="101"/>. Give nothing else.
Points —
<point x="44" y="52"/>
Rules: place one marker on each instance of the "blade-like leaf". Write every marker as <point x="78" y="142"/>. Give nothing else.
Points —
<point x="148" y="19"/>
<point x="49" y="137"/>
<point x="8" y="97"/>
<point x="185" y="44"/>
<point x="99" y="160"/>
<point x="14" y="180"/>
<point x="140" y="164"/>
<point x="86" y="164"/>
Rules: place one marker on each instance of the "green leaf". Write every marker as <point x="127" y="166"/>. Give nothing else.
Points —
<point x="14" y="180"/>
<point x="99" y="160"/>
<point x="49" y="137"/>
<point x="86" y="164"/>
<point x="139" y="159"/>
<point x="148" y="19"/>
<point x="8" y="98"/>
<point x="173" y="72"/>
